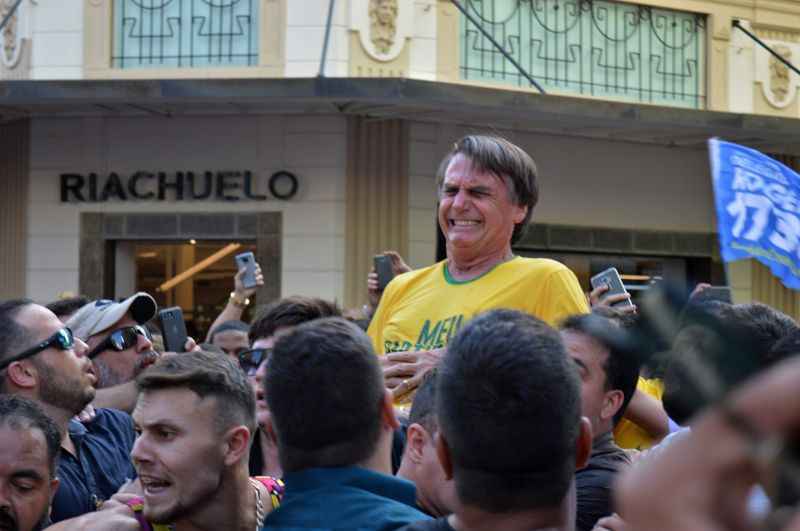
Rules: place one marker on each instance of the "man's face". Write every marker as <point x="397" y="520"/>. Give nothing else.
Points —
<point x="590" y="358"/>
<point x="178" y="453"/>
<point x="26" y="487"/>
<point x="65" y="378"/>
<point x="476" y="213"/>
<point x="262" y="411"/>
<point x="436" y="494"/>
<point x="232" y="342"/>
<point x="115" y="367"/>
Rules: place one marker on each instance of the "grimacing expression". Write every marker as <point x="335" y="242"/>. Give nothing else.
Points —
<point x="65" y="378"/>
<point x="178" y="453"/>
<point x="114" y="367"/>
<point x="476" y="213"/>
<point x="26" y="486"/>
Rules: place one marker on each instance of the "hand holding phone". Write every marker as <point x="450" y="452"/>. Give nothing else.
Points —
<point x="611" y="279"/>
<point x="173" y="329"/>
<point x="384" y="270"/>
<point x="247" y="261"/>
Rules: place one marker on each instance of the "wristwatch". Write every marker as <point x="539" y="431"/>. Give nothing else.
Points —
<point x="238" y="301"/>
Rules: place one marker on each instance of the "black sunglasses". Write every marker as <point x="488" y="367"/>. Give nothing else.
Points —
<point x="120" y="339"/>
<point x="63" y="339"/>
<point x="250" y="360"/>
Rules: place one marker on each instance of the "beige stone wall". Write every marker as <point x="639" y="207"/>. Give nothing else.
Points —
<point x="313" y="148"/>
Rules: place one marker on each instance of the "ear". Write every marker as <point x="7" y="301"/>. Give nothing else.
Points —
<point x="237" y="444"/>
<point x="23" y="375"/>
<point x="583" y="446"/>
<point x="53" y="488"/>
<point x="416" y="439"/>
<point x="520" y="213"/>
<point x="612" y="402"/>
<point x="388" y="415"/>
<point x="443" y="453"/>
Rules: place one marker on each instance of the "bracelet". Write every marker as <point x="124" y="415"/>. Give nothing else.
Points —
<point x="237" y="301"/>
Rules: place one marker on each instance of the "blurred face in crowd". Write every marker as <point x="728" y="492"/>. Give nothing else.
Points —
<point x="598" y="403"/>
<point x="178" y="453"/>
<point x="26" y="485"/>
<point x="65" y="378"/>
<point x="231" y="341"/>
<point x="117" y="367"/>
<point x="476" y="213"/>
<point x="435" y="493"/>
<point x="262" y="410"/>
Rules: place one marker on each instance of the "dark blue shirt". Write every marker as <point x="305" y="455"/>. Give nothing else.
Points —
<point x="102" y="464"/>
<point x="349" y="498"/>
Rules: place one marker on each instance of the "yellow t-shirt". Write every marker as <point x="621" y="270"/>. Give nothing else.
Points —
<point x="423" y="309"/>
<point x="629" y="435"/>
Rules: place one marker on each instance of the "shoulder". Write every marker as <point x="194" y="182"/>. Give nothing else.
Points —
<point x="112" y="423"/>
<point x="417" y="274"/>
<point x="542" y="266"/>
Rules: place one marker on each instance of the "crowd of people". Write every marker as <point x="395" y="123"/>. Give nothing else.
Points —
<point x="484" y="392"/>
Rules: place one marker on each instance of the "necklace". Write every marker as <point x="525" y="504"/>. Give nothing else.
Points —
<point x="259" y="507"/>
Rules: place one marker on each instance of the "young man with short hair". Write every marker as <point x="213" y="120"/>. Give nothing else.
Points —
<point x="195" y="417"/>
<point x="435" y="492"/>
<point x="608" y="382"/>
<point x="510" y="427"/>
<point x="333" y="421"/>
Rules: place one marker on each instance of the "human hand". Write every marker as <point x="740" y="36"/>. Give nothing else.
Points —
<point x="238" y="288"/>
<point x="403" y="371"/>
<point x="87" y="414"/>
<point x="398" y="268"/>
<point x="596" y="299"/>
<point x="698" y="289"/>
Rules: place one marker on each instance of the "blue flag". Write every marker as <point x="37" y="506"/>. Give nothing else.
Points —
<point x="758" y="209"/>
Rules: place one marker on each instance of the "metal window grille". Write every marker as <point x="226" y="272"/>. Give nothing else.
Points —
<point x="185" y="33"/>
<point x="600" y="48"/>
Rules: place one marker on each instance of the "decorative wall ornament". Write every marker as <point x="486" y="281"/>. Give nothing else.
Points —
<point x="10" y="36"/>
<point x="779" y="73"/>
<point x="779" y="84"/>
<point x="383" y="26"/>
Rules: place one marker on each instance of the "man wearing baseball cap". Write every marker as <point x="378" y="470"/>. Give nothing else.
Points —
<point x="119" y="345"/>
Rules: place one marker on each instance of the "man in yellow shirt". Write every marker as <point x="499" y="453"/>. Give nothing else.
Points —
<point x="487" y="190"/>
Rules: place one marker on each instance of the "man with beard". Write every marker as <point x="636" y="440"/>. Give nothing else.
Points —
<point x="119" y="345"/>
<point x="41" y="360"/>
<point x="29" y="443"/>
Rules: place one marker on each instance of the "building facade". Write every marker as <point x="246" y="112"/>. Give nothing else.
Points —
<point x="134" y="127"/>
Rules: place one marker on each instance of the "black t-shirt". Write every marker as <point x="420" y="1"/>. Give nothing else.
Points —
<point x="440" y="524"/>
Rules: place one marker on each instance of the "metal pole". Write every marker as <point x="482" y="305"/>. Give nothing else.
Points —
<point x="10" y="14"/>
<point x="331" y="7"/>
<point x="761" y="43"/>
<point x="498" y="46"/>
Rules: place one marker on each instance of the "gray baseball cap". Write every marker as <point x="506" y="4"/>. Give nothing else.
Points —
<point x="100" y="315"/>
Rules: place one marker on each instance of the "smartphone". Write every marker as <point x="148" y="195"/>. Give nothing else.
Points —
<point x="610" y="277"/>
<point x="383" y="267"/>
<point x="248" y="261"/>
<point x="720" y="293"/>
<point x="173" y="329"/>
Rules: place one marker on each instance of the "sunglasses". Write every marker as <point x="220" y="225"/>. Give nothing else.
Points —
<point x="63" y="340"/>
<point x="250" y="360"/>
<point x="120" y="339"/>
